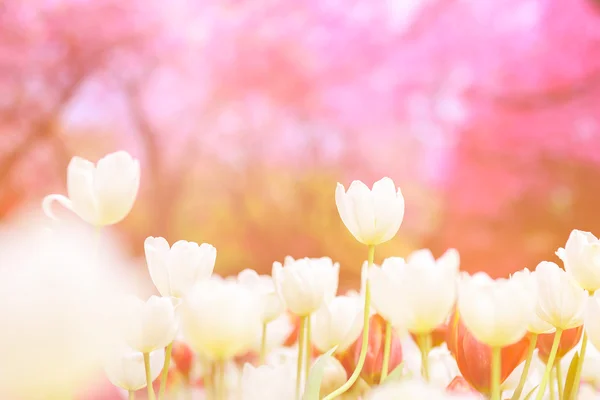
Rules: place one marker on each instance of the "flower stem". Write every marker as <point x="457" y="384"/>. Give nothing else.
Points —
<point x="131" y="395"/>
<point x="551" y="386"/>
<point x="496" y="372"/>
<point x="308" y="346"/>
<point x="584" y="341"/>
<point x="519" y="390"/>
<point x="151" y="395"/>
<point x="165" y="372"/>
<point x="387" y="347"/>
<point x="559" y="380"/>
<point x="424" y="341"/>
<point x="365" y="337"/>
<point x="263" y="344"/>
<point x="300" y="357"/>
<point x="549" y="365"/>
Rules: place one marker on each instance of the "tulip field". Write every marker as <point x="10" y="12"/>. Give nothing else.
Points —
<point x="415" y="328"/>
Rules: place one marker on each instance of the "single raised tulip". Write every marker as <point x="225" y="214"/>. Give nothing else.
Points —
<point x="371" y="371"/>
<point x="568" y="340"/>
<point x="221" y="318"/>
<point x="592" y="319"/>
<point x="423" y="286"/>
<point x="337" y="323"/>
<point x="581" y="257"/>
<point x="264" y="287"/>
<point x="268" y="382"/>
<point x="100" y="194"/>
<point x="496" y="312"/>
<point x="536" y="324"/>
<point x="474" y="357"/>
<point x="149" y="325"/>
<point x="306" y="284"/>
<point x="124" y="367"/>
<point x="372" y="216"/>
<point x="175" y="269"/>
<point x="561" y="302"/>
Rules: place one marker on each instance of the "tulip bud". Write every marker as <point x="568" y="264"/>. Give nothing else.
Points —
<point x="124" y="367"/>
<point x="337" y="323"/>
<point x="474" y="358"/>
<point x="581" y="259"/>
<point x="371" y="371"/>
<point x="101" y="194"/>
<point x="183" y="358"/>
<point x="459" y="385"/>
<point x="372" y="216"/>
<point x="568" y="340"/>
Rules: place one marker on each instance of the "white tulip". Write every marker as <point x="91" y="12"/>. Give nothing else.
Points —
<point x="268" y="382"/>
<point x="149" y="325"/>
<point x="124" y="367"/>
<point x="496" y="312"/>
<point x="592" y="319"/>
<point x="338" y="323"/>
<point x="264" y="287"/>
<point x="174" y="270"/>
<point x="423" y="286"/>
<point x="536" y="324"/>
<point x="101" y="194"/>
<point x="372" y="216"/>
<point x="221" y="318"/>
<point x="306" y="284"/>
<point x="581" y="257"/>
<point x="561" y="302"/>
<point x="442" y="366"/>
<point x="334" y="376"/>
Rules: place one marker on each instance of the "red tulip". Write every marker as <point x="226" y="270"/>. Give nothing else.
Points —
<point x="568" y="340"/>
<point x="459" y="385"/>
<point x="183" y="358"/>
<point x="371" y="371"/>
<point x="474" y="358"/>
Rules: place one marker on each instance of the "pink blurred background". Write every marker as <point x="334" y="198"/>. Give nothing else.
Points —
<point x="245" y="114"/>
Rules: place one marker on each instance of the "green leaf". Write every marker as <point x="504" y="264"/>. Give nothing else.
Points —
<point x="531" y="393"/>
<point x="315" y="377"/>
<point x="570" y="381"/>
<point x="396" y="374"/>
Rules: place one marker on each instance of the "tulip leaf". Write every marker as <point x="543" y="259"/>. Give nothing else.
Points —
<point x="315" y="377"/>
<point x="570" y="381"/>
<point x="396" y="374"/>
<point x="531" y="393"/>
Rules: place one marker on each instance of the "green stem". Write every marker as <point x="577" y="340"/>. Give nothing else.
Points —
<point x="519" y="390"/>
<point x="131" y="395"/>
<point x="151" y="395"/>
<point x="165" y="372"/>
<point x="387" y="347"/>
<point x="365" y="337"/>
<point x="424" y="341"/>
<point x="300" y="357"/>
<point x="549" y="365"/>
<point x="263" y="344"/>
<point x="577" y="379"/>
<point x="496" y="372"/>
<point x="561" y="389"/>
<point x="220" y="388"/>
<point x="308" y="347"/>
<point x="551" y="386"/>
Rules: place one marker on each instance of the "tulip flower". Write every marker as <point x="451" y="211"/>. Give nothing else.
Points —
<point x="536" y="324"/>
<point x="334" y="375"/>
<point x="124" y="367"/>
<point x="100" y="194"/>
<point x="568" y="340"/>
<point x="264" y="287"/>
<point x="581" y="257"/>
<point x="183" y="357"/>
<point x="267" y="382"/>
<point x="372" y="216"/>
<point x="442" y="366"/>
<point x="373" y="365"/>
<point x="174" y="270"/>
<point x="422" y="285"/>
<point x="474" y="357"/>
<point x="459" y="385"/>
<point x="496" y="312"/>
<point x="337" y="323"/>
<point x="220" y="319"/>
<point x="561" y="301"/>
<point x="306" y="284"/>
<point x="149" y="325"/>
